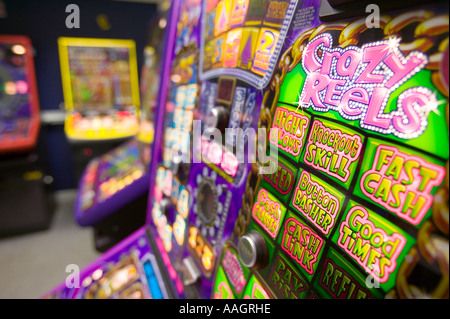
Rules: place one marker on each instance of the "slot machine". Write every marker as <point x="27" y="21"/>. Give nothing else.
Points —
<point x="19" y="105"/>
<point x="100" y="86"/>
<point x="344" y="191"/>
<point x="112" y="194"/>
<point x="101" y="95"/>
<point x="22" y="173"/>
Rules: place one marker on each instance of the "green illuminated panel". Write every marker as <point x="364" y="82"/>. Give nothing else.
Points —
<point x="374" y="243"/>
<point x="268" y="212"/>
<point x="282" y="181"/>
<point x="316" y="201"/>
<point x="400" y="180"/>
<point x="333" y="150"/>
<point x="288" y="131"/>
<point x="222" y="288"/>
<point x="436" y="126"/>
<point x="285" y="280"/>
<point x="303" y="245"/>
<point x="338" y="279"/>
<point x="235" y="274"/>
<point x="255" y="290"/>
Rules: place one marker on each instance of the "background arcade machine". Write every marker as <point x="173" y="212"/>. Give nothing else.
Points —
<point x="101" y="95"/>
<point x="359" y="208"/>
<point x="223" y="60"/>
<point x="113" y="191"/>
<point x="22" y="174"/>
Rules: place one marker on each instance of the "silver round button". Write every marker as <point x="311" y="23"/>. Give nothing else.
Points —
<point x="252" y="250"/>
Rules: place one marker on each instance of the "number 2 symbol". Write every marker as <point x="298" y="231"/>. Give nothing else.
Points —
<point x="268" y="42"/>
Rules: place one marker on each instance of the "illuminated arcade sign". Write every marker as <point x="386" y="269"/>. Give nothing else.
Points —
<point x="400" y="181"/>
<point x="302" y="244"/>
<point x="358" y="84"/>
<point x="317" y="201"/>
<point x="268" y="212"/>
<point x="288" y="131"/>
<point x="377" y="245"/>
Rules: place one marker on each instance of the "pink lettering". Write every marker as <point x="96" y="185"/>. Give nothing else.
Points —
<point x="401" y="70"/>
<point x="374" y="109"/>
<point x="372" y="55"/>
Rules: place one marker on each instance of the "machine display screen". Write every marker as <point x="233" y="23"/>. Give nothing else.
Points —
<point x="101" y="90"/>
<point x="19" y="104"/>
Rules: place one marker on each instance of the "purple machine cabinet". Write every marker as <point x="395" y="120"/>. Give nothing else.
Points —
<point x="223" y="58"/>
<point x="109" y="182"/>
<point x="112" y="194"/>
<point x="127" y="271"/>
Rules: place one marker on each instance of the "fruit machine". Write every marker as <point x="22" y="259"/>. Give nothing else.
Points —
<point x="357" y="206"/>
<point x="22" y="174"/>
<point x="113" y="191"/>
<point x="101" y="95"/>
<point x="344" y="192"/>
<point x="19" y="107"/>
<point x="127" y="271"/>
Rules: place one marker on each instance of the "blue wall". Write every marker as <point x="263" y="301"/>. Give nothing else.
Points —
<point x="43" y="22"/>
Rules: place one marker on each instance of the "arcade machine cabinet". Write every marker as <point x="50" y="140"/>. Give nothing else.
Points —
<point x="112" y="194"/>
<point x="26" y="202"/>
<point x="101" y="95"/>
<point x="349" y="196"/>
<point x="358" y="218"/>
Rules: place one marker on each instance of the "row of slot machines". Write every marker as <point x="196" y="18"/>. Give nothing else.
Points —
<point x="300" y="152"/>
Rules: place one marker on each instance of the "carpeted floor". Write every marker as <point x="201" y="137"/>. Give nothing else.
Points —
<point x="32" y="264"/>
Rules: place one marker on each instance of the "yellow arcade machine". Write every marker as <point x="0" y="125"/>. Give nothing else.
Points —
<point x="101" y="94"/>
